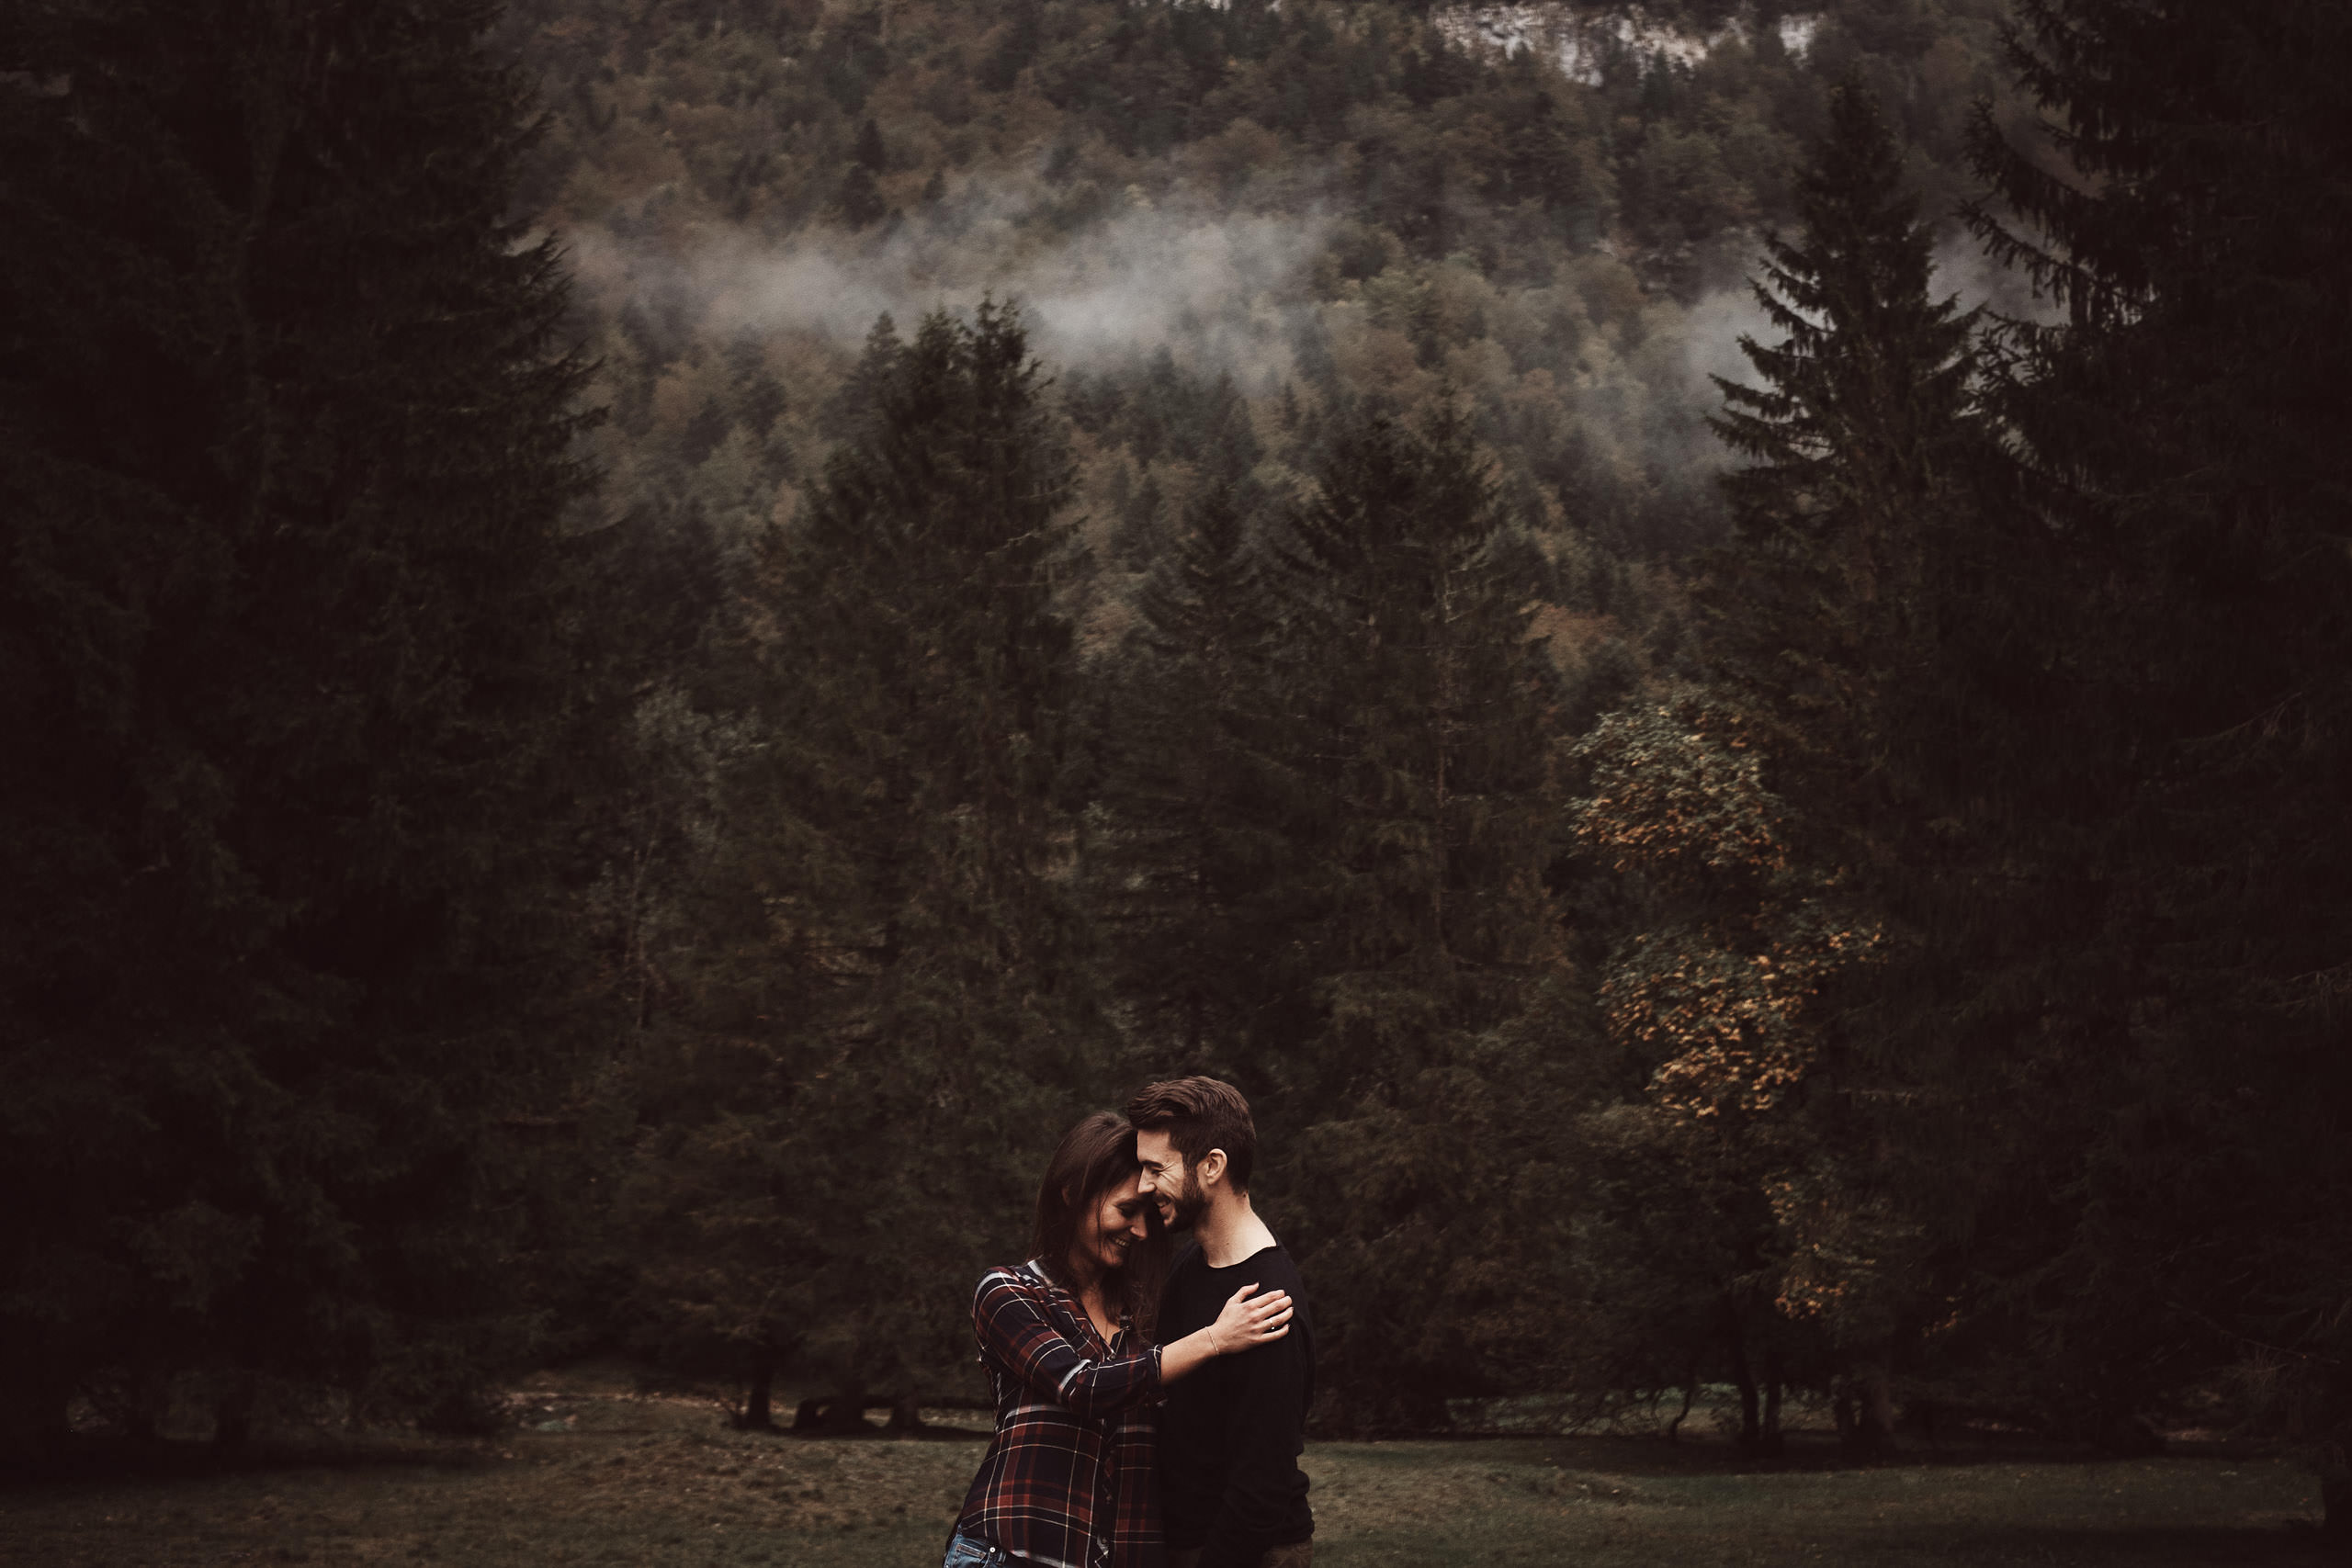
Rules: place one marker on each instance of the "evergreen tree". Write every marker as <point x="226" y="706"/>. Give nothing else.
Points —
<point x="1851" y="442"/>
<point x="1189" y="845"/>
<point x="869" y="152"/>
<point x="2177" y="802"/>
<point x="896" y="1015"/>
<point x="284" y="654"/>
<point x="860" y="201"/>
<point x="1420" y="734"/>
<point x="1827" y="624"/>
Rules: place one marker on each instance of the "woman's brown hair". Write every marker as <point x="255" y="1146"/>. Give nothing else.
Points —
<point x="1093" y="1157"/>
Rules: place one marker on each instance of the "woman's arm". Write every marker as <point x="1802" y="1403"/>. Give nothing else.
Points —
<point x="1241" y="1324"/>
<point x="1016" y="1334"/>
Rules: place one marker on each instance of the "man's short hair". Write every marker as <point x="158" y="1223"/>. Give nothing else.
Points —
<point x="1201" y="1114"/>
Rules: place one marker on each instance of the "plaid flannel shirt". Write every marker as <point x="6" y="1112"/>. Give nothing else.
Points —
<point x="1070" y="1479"/>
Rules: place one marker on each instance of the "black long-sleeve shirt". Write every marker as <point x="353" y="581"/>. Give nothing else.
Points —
<point x="1231" y="1432"/>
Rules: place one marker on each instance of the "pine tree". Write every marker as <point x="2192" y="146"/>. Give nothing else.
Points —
<point x="1828" y="607"/>
<point x="895" y="1018"/>
<point x="1430" y="1086"/>
<point x="286" y="650"/>
<point x="1851" y="444"/>
<point x="869" y="153"/>
<point x="2177" y="801"/>
<point x="1188" y="840"/>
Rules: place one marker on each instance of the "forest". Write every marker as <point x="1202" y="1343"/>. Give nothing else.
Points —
<point x="1707" y="644"/>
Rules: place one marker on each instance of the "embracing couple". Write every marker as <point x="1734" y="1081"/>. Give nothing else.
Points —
<point x="1146" y="1414"/>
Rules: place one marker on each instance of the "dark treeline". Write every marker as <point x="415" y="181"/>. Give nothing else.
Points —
<point x="288" y="660"/>
<point x="1882" y="938"/>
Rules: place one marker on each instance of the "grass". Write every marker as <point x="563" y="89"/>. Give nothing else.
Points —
<point x="598" y="1476"/>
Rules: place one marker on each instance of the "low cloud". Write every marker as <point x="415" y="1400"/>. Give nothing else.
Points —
<point x="1216" y="288"/>
<point x="1224" y="292"/>
<point x="1965" y="269"/>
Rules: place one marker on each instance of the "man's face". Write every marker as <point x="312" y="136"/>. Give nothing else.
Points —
<point x="1169" y="1180"/>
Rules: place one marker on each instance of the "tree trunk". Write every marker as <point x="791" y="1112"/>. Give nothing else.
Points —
<point x="845" y="1412"/>
<point x="1751" y="1423"/>
<point x="808" y="1416"/>
<point x="1689" y="1393"/>
<point x="1775" y="1445"/>
<point x="1874" y="1418"/>
<point x="233" y="1411"/>
<point x="906" y="1414"/>
<point x="759" y="1400"/>
<point x="2336" y="1506"/>
<point x="1841" y="1410"/>
<point x="146" y="1400"/>
<point x="2131" y="1436"/>
<point x="33" y="1412"/>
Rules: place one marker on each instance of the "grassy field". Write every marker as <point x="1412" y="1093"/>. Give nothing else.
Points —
<point x="604" y="1477"/>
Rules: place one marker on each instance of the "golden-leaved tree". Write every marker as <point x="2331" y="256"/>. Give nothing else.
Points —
<point x="1732" y="1233"/>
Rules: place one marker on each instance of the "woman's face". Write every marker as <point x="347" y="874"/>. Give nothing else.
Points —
<point x="1104" y="1235"/>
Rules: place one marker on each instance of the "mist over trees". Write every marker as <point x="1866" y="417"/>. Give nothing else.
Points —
<point x="1752" y="802"/>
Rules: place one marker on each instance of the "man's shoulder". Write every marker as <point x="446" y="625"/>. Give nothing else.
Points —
<point x="1275" y="1269"/>
<point x="1271" y="1266"/>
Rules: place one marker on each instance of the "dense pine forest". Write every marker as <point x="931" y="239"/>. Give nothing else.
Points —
<point x="1708" y="646"/>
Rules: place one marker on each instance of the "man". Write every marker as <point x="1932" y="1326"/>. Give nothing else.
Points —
<point x="1230" y="1435"/>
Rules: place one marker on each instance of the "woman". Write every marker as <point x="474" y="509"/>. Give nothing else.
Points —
<point x="1069" y="1479"/>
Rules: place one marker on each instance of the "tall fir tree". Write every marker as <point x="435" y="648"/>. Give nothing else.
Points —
<point x="2177" y="802"/>
<point x="1424" y="1104"/>
<point x="1190" y="840"/>
<point x="897" y="1018"/>
<point x="1852" y="444"/>
<point x="1825" y="636"/>
<point x="286" y="651"/>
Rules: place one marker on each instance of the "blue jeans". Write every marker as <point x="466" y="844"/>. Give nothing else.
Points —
<point x="964" y="1552"/>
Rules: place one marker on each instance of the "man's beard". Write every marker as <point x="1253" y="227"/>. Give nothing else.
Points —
<point x="1191" y="1204"/>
